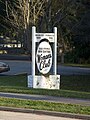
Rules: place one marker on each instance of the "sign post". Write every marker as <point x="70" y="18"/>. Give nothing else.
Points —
<point x="55" y="51"/>
<point x="44" y="61"/>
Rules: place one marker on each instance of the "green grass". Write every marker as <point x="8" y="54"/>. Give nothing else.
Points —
<point x="71" y="86"/>
<point x="42" y="105"/>
<point x="76" y="82"/>
<point x="77" y="65"/>
<point x="59" y="93"/>
<point x="15" y="80"/>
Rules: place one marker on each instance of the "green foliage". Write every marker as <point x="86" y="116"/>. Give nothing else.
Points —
<point x="2" y="14"/>
<point x="81" y="35"/>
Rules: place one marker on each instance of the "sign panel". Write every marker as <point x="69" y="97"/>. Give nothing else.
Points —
<point x="44" y="56"/>
<point x="49" y="36"/>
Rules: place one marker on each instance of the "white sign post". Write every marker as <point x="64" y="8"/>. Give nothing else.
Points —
<point x="44" y="58"/>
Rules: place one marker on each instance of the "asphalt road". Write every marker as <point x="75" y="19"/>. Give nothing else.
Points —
<point x="17" y="67"/>
<point x="46" y="98"/>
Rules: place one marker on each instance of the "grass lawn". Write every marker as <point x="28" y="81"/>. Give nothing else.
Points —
<point x="14" y="80"/>
<point x="42" y="105"/>
<point x="71" y="86"/>
<point x="76" y="82"/>
<point x="77" y="65"/>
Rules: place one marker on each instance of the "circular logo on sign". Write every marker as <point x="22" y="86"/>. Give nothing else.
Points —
<point x="44" y="56"/>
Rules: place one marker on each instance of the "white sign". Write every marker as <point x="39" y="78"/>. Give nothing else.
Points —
<point x="44" y="57"/>
<point x="49" y="36"/>
<point x="44" y="53"/>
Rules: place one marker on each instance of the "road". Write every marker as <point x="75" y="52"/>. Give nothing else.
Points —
<point x="5" y="115"/>
<point x="41" y="114"/>
<point x="46" y="98"/>
<point x="18" y="67"/>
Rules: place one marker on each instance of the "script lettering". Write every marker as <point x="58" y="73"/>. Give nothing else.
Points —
<point x="44" y="61"/>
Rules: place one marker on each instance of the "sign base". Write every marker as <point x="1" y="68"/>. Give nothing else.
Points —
<point x="49" y="82"/>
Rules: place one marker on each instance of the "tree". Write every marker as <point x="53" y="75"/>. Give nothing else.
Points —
<point x="62" y="13"/>
<point x="68" y="15"/>
<point x="65" y="15"/>
<point x="81" y="34"/>
<point x="21" y="14"/>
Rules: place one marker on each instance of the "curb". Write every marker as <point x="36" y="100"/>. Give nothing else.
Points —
<point x="43" y="112"/>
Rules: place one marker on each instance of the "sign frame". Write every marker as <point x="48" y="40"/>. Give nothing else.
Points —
<point x="36" y="37"/>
